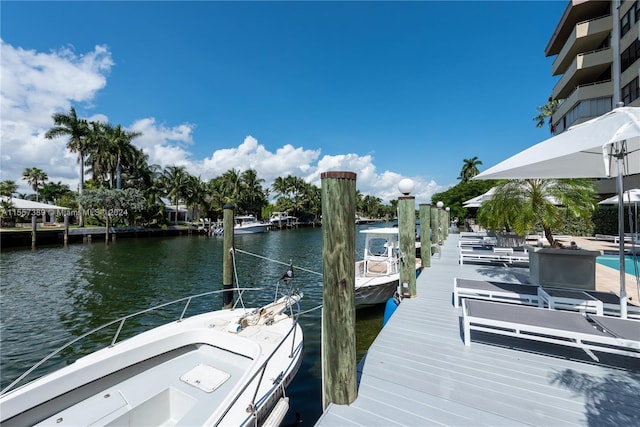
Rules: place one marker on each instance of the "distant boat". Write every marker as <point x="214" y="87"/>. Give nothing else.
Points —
<point x="225" y="367"/>
<point x="367" y="220"/>
<point x="378" y="273"/>
<point x="282" y="219"/>
<point x="248" y="224"/>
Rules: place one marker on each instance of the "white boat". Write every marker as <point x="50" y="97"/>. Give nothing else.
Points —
<point x="248" y="224"/>
<point x="282" y="219"/>
<point x="378" y="273"/>
<point x="227" y="367"/>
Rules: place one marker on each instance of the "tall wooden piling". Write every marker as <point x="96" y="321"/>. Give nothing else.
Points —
<point x="338" y="266"/>
<point x="442" y="224"/>
<point x="447" y="222"/>
<point x="425" y="235"/>
<point x="106" y="227"/>
<point x="434" y="226"/>
<point x="407" y="235"/>
<point x="34" y="230"/>
<point x="66" y="229"/>
<point x="227" y="255"/>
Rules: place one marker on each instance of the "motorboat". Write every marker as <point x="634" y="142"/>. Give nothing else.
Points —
<point x="248" y="224"/>
<point x="378" y="272"/>
<point x="225" y="367"/>
<point x="367" y="220"/>
<point x="282" y="219"/>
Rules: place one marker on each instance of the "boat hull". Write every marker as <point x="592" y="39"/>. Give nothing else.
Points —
<point x="197" y="371"/>
<point x="253" y="229"/>
<point x="375" y="292"/>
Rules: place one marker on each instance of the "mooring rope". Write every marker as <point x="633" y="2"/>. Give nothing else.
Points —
<point x="278" y="262"/>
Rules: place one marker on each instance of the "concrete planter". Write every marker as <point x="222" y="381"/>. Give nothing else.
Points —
<point x="564" y="268"/>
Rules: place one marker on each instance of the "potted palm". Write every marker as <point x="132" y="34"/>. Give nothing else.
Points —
<point x="522" y="207"/>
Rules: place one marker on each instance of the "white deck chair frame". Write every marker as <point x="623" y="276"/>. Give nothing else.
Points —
<point x="517" y="293"/>
<point x="586" y="337"/>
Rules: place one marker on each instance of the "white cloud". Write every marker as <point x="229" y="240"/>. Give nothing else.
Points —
<point x="35" y="85"/>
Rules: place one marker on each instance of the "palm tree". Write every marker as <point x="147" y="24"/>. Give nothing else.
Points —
<point x="232" y="185"/>
<point x="35" y="176"/>
<point x="253" y="197"/>
<point x="110" y="151"/>
<point x="77" y="130"/>
<point x="8" y="188"/>
<point x="175" y="179"/>
<point x="121" y="149"/>
<point x="98" y="157"/>
<point x="195" y="194"/>
<point x="522" y="205"/>
<point x="546" y="112"/>
<point x="52" y="191"/>
<point x="469" y="169"/>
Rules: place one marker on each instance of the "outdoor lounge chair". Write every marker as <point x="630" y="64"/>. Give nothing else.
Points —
<point x="529" y="295"/>
<point x="501" y="255"/>
<point x="494" y="291"/>
<point x="589" y="333"/>
<point x="611" y="304"/>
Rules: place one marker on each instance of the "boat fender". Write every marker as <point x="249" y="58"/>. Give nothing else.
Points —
<point x="234" y="328"/>
<point x="389" y="309"/>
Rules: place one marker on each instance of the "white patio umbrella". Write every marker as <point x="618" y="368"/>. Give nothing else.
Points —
<point x="607" y="146"/>
<point x="477" y="201"/>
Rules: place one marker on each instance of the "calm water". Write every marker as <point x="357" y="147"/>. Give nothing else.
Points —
<point x="52" y="295"/>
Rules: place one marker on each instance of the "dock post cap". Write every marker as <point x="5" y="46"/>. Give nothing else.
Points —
<point x="338" y="175"/>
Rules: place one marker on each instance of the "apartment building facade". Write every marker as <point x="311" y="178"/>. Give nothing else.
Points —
<point x="596" y="45"/>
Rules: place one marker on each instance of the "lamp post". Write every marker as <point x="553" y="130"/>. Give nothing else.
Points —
<point x="407" y="236"/>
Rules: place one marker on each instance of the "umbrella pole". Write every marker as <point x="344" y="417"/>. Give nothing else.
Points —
<point x="623" y="289"/>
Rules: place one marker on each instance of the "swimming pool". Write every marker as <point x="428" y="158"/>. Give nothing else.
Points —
<point x="613" y="261"/>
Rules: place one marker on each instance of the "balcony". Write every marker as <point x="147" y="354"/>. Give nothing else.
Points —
<point x="583" y="93"/>
<point x="577" y="11"/>
<point x="585" y="68"/>
<point x="586" y="36"/>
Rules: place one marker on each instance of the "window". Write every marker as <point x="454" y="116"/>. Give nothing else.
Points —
<point x="629" y="18"/>
<point x="630" y="92"/>
<point x="630" y="55"/>
<point x="625" y="26"/>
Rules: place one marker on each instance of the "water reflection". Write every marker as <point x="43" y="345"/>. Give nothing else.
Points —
<point x="51" y="295"/>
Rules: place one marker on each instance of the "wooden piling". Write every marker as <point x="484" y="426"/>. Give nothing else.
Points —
<point x="106" y="228"/>
<point x="447" y="222"/>
<point x="425" y="238"/>
<point x="338" y="312"/>
<point x="34" y="230"/>
<point x="407" y="235"/>
<point x="66" y="229"/>
<point x="227" y="255"/>
<point x="434" y="226"/>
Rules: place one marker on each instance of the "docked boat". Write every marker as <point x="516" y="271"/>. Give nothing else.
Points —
<point x="226" y="367"/>
<point x="248" y="224"/>
<point x="378" y="273"/>
<point x="282" y="219"/>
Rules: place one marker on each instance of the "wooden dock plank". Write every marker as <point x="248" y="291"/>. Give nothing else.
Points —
<point x="418" y="371"/>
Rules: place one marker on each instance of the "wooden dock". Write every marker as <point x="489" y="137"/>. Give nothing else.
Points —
<point x="419" y="373"/>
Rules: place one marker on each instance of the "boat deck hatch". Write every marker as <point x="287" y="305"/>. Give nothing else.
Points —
<point x="205" y="377"/>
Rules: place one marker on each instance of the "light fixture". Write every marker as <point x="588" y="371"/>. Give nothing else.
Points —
<point x="447" y="209"/>
<point x="406" y="186"/>
<point x="439" y="205"/>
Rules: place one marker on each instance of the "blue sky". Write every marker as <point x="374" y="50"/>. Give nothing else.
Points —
<point x="385" y="89"/>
